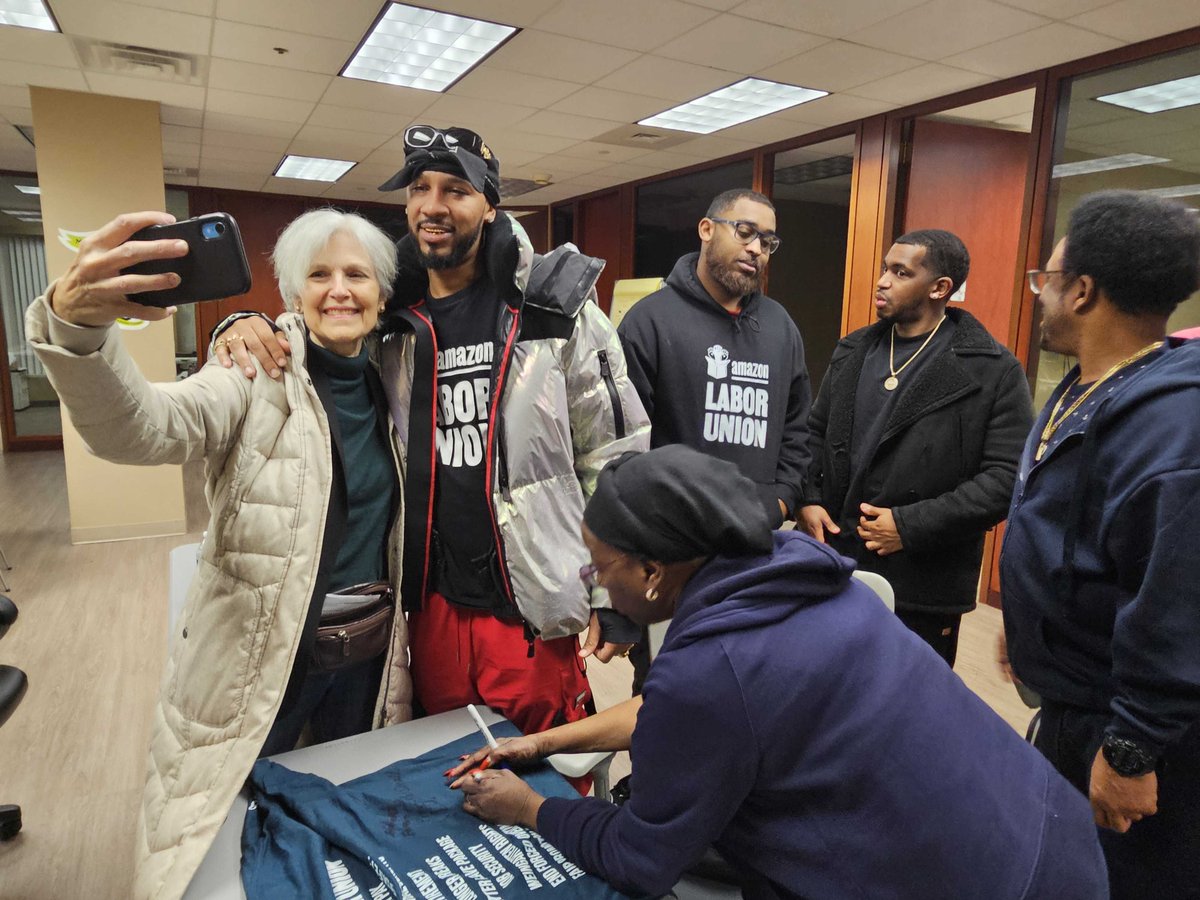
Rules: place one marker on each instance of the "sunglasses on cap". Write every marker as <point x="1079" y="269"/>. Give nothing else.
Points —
<point x="426" y="137"/>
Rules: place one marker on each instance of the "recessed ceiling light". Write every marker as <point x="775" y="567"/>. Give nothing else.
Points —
<point x="741" y="102"/>
<point x="422" y="48"/>
<point x="1158" y="97"/>
<point x="1180" y="190"/>
<point x="28" y="188"/>
<point x="27" y="14"/>
<point x="1106" y="163"/>
<point x="312" y="168"/>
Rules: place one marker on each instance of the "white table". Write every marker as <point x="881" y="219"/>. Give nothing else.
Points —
<point x="219" y="876"/>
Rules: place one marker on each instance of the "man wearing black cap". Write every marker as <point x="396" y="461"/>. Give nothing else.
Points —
<point x="508" y="390"/>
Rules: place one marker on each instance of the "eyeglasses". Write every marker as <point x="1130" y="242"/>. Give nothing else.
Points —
<point x="1038" y="277"/>
<point x="588" y="573"/>
<point x="745" y="232"/>
<point x="426" y="137"/>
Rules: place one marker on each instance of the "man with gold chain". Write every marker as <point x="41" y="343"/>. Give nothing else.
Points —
<point x="1100" y="592"/>
<point x="915" y="436"/>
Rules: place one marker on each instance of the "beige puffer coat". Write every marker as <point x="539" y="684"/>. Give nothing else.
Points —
<point x="267" y="448"/>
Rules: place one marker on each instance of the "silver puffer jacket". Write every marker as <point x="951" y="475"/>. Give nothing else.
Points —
<point x="562" y="407"/>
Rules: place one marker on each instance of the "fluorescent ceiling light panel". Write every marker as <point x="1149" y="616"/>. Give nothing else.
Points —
<point x="28" y="188"/>
<point x="424" y="49"/>
<point x="1180" y="190"/>
<point x="312" y="168"/>
<point x="1105" y="164"/>
<point x="733" y="105"/>
<point x="1158" y="97"/>
<point x="27" y="14"/>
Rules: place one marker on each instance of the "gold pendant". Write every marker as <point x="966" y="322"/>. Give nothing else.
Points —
<point x="891" y="382"/>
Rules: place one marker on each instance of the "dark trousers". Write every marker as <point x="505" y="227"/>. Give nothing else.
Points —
<point x="938" y="630"/>
<point x="336" y="705"/>
<point x="1159" y="857"/>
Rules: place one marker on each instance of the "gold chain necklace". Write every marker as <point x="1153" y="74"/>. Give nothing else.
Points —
<point x="892" y="382"/>
<point x="1053" y="423"/>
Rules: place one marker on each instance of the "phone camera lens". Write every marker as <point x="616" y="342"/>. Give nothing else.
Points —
<point x="212" y="230"/>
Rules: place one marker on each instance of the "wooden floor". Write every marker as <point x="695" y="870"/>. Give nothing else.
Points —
<point x="92" y="637"/>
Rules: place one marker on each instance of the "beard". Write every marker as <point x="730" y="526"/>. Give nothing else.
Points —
<point x="460" y="249"/>
<point x="730" y="277"/>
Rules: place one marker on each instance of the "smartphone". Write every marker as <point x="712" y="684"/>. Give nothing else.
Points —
<point x="214" y="268"/>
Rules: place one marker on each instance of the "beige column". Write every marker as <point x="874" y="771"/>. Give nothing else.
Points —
<point x="96" y="157"/>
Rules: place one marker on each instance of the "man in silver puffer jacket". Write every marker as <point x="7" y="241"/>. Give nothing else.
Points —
<point x="509" y="394"/>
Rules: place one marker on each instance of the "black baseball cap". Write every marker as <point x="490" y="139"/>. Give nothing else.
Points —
<point x="458" y="151"/>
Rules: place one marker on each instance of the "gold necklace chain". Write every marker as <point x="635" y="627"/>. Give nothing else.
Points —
<point x="1053" y="424"/>
<point x="892" y="382"/>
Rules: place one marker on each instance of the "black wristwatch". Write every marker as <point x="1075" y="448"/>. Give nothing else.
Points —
<point x="1127" y="758"/>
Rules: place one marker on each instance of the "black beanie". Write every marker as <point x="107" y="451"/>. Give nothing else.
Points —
<point x="674" y="503"/>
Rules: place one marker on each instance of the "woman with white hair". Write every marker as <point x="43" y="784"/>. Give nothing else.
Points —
<point x="290" y="620"/>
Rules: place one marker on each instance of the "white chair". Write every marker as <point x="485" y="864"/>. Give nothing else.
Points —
<point x="879" y="585"/>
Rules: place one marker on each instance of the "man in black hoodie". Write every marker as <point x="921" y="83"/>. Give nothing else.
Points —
<point x="720" y="366"/>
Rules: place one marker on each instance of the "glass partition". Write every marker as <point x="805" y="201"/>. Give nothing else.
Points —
<point x="1105" y="145"/>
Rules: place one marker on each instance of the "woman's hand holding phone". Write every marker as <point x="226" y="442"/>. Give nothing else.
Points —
<point x="94" y="290"/>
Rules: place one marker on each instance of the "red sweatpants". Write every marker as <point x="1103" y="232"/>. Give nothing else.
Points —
<point x="462" y="656"/>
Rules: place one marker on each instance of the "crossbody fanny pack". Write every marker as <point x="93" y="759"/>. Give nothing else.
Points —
<point x="348" y="636"/>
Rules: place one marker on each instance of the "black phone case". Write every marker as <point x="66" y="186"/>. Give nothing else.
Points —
<point x="212" y="270"/>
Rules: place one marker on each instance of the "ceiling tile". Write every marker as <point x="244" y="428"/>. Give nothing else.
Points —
<point x="340" y="190"/>
<point x="349" y="21"/>
<point x="766" y="130"/>
<point x="143" y="26"/>
<point x="316" y="140"/>
<point x="670" y="79"/>
<point x="251" y="43"/>
<point x="478" y="115"/>
<point x="364" y="120"/>
<point x="724" y="41"/>
<point x="604" y="153"/>
<point x="518" y="140"/>
<point x="719" y="5"/>
<point x="562" y="167"/>
<point x="835" y="109"/>
<point x="564" y="125"/>
<point x="245" y="141"/>
<point x="169" y="114"/>
<point x="712" y="146"/>
<point x="388" y="156"/>
<point x="22" y="73"/>
<point x="1136" y="20"/>
<point x="838" y="66"/>
<point x="231" y="180"/>
<point x="1057" y="9"/>
<point x="182" y="155"/>
<point x="254" y="106"/>
<point x="615" y="105"/>
<point x="634" y="24"/>
<point x="14" y="95"/>
<point x="941" y="28"/>
<point x="512" y="12"/>
<point x="181" y="134"/>
<point x="232" y="75"/>
<point x="17" y="115"/>
<point x="297" y="186"/>
<point x="368" y="174"/>
<point x="42" y="47"/>
<point x="1032" y="50"/>
<point x="921" y="83"/>
<point x="1017" y="103"/>
<point x="385" y="98"/>
<point x="557" y="56"/>
<point x="18" y="159"/>
<point x="491" y="83"/>
<point x="195" y="7"/>
<point x="219" y="121"/>
<point x="624" y="172"/>
<point x="188" y="95"/>
<point x="250" y="159"/>
<point x="831" y="18"/>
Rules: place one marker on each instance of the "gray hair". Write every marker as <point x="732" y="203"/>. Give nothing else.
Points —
<point x="307" y="235"/>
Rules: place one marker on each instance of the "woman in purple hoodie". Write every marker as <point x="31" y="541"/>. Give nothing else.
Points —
<point x="790" y="721"/>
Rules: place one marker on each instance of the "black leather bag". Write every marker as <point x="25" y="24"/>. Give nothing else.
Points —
<point x="346" y="639"/>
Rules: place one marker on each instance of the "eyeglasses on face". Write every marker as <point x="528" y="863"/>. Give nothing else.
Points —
<point x="745" y="232"/>
<point x="1039" y="277"/>
<point x="588" y="573"/>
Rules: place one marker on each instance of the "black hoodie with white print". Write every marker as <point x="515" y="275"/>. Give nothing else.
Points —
<point x="732" y="386"/>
